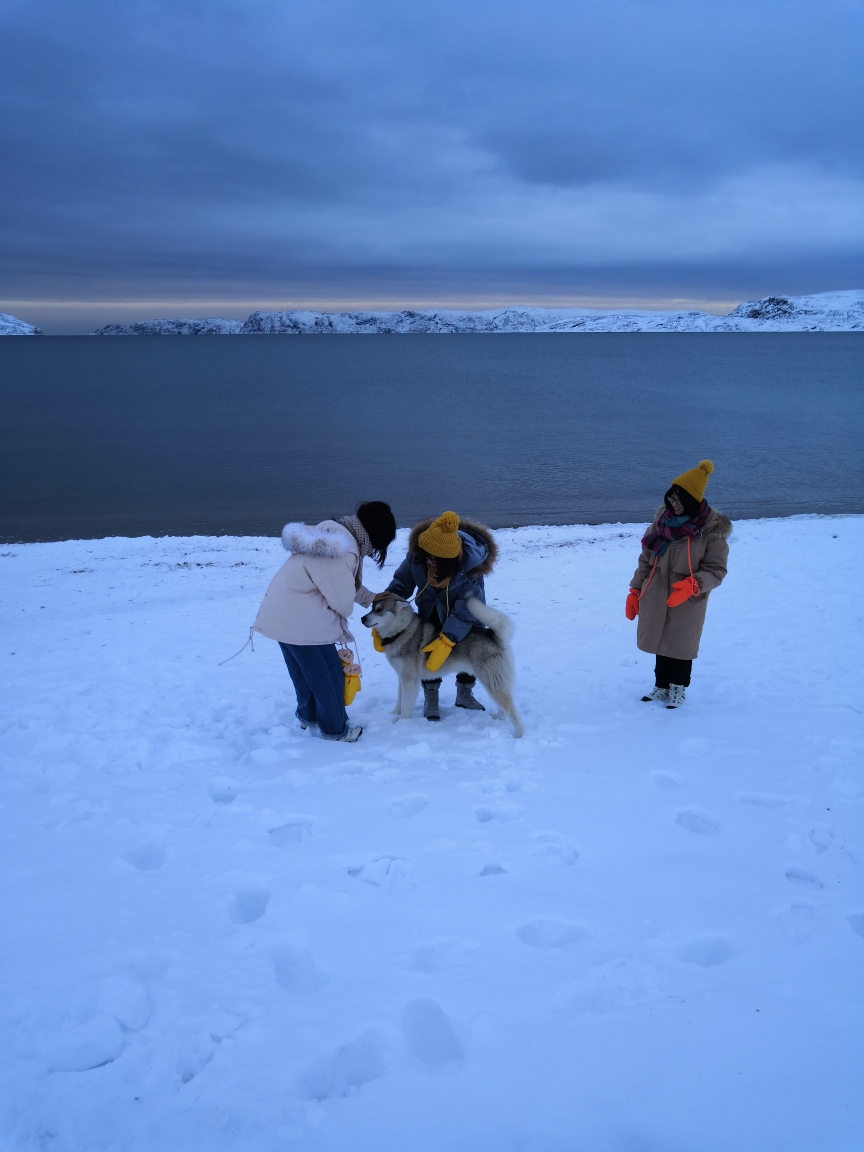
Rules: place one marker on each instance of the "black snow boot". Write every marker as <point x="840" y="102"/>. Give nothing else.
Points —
<point x="465" y="693"/>
<point x="431" y="708"/>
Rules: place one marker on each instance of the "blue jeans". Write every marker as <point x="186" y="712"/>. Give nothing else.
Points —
<point x="320" y="685"/>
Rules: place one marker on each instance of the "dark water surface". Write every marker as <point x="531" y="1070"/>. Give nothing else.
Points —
<point x="172" y="435"/>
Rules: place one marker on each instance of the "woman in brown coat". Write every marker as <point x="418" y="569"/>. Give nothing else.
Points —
<point x="684" y="556"/>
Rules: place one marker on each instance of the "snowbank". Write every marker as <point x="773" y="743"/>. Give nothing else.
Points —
<point x="823" y="312"/>
<point x="12" y="326"/>
<point x="632" y="929"/>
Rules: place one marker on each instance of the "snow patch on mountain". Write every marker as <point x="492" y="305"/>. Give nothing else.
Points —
<point x="822" y="312"/>
<point x="12" y="326"/>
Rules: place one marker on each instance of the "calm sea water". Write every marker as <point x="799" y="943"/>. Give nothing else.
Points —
<point x="132" y="436"/>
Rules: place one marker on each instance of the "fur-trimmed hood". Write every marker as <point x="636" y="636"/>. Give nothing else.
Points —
<point x="327" y="539"/>
<point x="472" y="535"/>
<point x="717" y="523"/>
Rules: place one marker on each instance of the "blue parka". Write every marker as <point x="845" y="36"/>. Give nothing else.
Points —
<point x="446" y="607"/>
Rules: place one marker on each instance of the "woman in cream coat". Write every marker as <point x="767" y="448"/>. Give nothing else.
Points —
<point x="308" y="603"/>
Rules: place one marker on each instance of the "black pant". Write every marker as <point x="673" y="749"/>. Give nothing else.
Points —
<point x="668" y="671"/>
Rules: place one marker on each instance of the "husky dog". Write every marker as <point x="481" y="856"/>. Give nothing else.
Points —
<point x="485" y="653"/>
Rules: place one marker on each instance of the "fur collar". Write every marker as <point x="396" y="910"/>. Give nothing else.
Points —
<point x="479" y="530"/>
<point x="716" y="525"/>
<point x="327" y="539"/>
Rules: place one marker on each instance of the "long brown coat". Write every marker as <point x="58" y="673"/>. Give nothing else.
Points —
<point x="676" y="631"/>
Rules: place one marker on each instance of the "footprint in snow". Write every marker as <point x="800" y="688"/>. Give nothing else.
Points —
<point x="803" y="879"/>
<point x="707" y="951"/>
<point x="554" y="846"/>
<point x="821" y="837"/>
<point x="759" y="800"/>
<point x="696" y="746"/>
<point x="84" y="1046"/>
<point x="492" y="870"/>
<point x="442" y="954"/>
<point x="798" y="921"/>
<point x="248" y="905"/>
<point x="698" y="822"/>
<point x="430" y="1034"/>
<point x="197" y="1049"/>
<point x="295" y="829"/>
<point x="223" y="790"/>
<point x="552" y="934"/>
<point x="146" y="857"/>
<point x="408" y="806"/>
<point x="350" y="1067"/>
<point x="297" y="972"/>
<point x="620" y="983"/>
<point x="388" y="872"/>
<point x="856" y="923"/>
<point x="126" y="1000"/>
<point x="666" y="780"/>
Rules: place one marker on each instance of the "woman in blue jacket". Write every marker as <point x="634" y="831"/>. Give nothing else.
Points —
<point x="447" y="560"/>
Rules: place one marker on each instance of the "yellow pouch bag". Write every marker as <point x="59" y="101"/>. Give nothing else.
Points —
<point x="352" y="674"/>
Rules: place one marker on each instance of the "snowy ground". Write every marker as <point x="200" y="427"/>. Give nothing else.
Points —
<point x="632" y="931"/>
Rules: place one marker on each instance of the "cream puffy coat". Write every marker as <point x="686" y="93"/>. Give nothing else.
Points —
<point x="676" y="632"/>
<point x="312" y="595"/>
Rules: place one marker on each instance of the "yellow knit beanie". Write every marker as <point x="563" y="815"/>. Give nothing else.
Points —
<point x="441" y="538"/>
<point x="695" y="480"/>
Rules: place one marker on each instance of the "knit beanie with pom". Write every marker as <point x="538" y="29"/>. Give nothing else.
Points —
<point x="441" y="538"/>
<point x="695" y="480"/>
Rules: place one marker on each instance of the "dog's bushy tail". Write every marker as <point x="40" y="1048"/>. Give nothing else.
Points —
<point x="500" y="624"/>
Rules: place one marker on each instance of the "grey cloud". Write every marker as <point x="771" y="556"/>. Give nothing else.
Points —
<point x="252" y="142"/>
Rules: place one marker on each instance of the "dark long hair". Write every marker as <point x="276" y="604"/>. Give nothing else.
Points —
<point x="689" y="503"/>
<point x="446" y="567"/>
<point x="380" y="523"/>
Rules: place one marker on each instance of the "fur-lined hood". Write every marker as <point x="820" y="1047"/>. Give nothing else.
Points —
<point x="716" y="525"/>
<point x="479" y="532"/>
<point x="327" y="539"/>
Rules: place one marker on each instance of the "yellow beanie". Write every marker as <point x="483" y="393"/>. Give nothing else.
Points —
<point x="441" y="538"/>
<point x="695" y="480"/>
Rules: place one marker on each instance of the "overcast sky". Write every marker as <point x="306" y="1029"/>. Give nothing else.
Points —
<point x="166" y="152"/>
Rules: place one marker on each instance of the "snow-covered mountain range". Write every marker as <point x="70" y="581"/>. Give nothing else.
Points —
<point x="822" y="312"/>
<point x="12" y="326"/>
<point x="825" y="312"/>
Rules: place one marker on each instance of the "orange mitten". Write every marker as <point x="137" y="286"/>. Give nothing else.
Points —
<point x="631" y="604"/>
<point x="682" y="590"/>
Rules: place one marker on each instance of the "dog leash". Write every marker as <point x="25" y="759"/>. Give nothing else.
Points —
<point x="245" y="646"/>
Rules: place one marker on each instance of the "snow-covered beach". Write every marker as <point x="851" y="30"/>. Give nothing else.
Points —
<point x="634" y="930"/>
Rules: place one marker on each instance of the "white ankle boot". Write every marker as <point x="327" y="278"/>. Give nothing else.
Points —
<point x="659" y="694"/>
<point x="677" y="695"/>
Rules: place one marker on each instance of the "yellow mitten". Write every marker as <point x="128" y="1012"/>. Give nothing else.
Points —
<point x="438" y="650"/>
<point x="376" y="640"/>
<point x="352" y="685"/>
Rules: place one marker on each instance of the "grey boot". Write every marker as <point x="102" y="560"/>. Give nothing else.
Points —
<point x="431" y="708"/>
<point x="465" y="694"/>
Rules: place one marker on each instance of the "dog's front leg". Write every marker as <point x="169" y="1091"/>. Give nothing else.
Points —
<point x="397" y="711"/>
<point x="408" y="695"/>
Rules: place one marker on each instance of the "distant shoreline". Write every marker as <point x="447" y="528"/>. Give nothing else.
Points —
<point x="821" y="312"/>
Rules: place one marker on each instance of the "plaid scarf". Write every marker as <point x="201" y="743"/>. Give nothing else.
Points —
<point x="669" y="528"/>
<point x="363" y="543"/>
